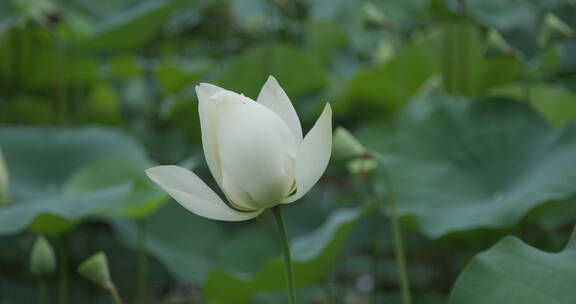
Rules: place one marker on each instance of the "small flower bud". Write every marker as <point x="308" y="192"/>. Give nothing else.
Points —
<point x="498" y="42"/>
<point x="345" y="145"/>
<point x="374" y="16"/>
<point x="362" y="165"/>
<point x="553" y="22"/>
<point x="42" y="259"/>
<point x="95" y="269"/>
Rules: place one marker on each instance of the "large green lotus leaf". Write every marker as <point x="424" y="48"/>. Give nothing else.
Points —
<point x="515" y="272"/>
<point x="461" y="165"/>
<point x="296" y="71"/>
<point x="246" y="250"/>
<point x="56" y="214"/>
<point x="116" y="170"/>
<point x="183" y="242"/>
<point x="131" y="28"/>
<point x="391" y="84"/>
<point x="313" y="255"/>
<point x="554" y="102"/>
<point x="41" y="159"/>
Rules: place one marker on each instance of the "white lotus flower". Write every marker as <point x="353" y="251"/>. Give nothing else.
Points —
<point x="254" y="150"/>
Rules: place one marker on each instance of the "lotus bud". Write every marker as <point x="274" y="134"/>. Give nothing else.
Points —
<point x="344" y="145"/>
<point x="42" y="259"/>
<point x="362" y="165"/>
<point x="95" y="269"/>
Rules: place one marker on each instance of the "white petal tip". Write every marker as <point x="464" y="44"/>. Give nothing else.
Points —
<point x="272" y="79"/>
<point x="206" y="90"/>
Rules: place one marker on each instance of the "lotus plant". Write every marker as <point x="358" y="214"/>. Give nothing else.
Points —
<point x="257" y="154"/>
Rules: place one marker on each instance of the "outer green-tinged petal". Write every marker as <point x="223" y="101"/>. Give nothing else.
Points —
<point x="313" y="154"/>
<point x="274" y="98"/>
<point x="257" y="150"/>
<point x="207" y="120"/>
<point x="192" y="193"/>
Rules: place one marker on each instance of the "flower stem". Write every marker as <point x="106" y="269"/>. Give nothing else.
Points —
<point x="142" y="272"/>
<point x="376" y="262"/>
<point x="114" y="293"/>
<point x="63" y="269"/>
<point x="288" y="269"/>
<point x="367" y="179"/>
<point x="42" y="294"/>
<point x="397" y="235"/>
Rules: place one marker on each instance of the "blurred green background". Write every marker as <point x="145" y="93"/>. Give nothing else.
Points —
<point x="471" y="102"/>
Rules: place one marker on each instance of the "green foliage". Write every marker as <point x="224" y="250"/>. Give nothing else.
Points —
<point x="514" y="272"/>
<point x="391" y="84"/>
<point x="50" y="196"/>
<point x="313" y="256"/>
<point x="35" y="175"/>
<point x="492" y="162"/>
<point x="554" y="102"/>
<point x="180" y="240"/>
<point x="131" y="29"/>
<point x="53" y="215"/>
<point x="471" y="103"/>
<point x="324" y="37"/>
<point x="108" y="172"/>
<point x="461" y="56"/>
<point x="296" y="71"/>
<point x="174" y="76"/>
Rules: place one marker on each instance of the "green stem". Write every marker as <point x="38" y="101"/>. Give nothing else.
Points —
<point x="61" y="102"/>
<point x="400" y="69"/>
<point x="376" y="262"/>
<point x="42" y="295"/>
<point x="288" y="269"/>
<point x="142" y="278"/>
<point x="527" y="83"/>
<point x="114" y="293"/>
<point x="63" y="270"/>
<point x="397" y="235"/>
<point x="16" y="58"/>
<point x="367" y="178"/>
